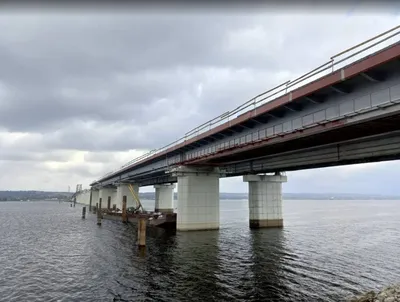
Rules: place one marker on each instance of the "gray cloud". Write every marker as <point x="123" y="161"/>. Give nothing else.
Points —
<point x="107" y="82"/>
<point x="26" y="155"/>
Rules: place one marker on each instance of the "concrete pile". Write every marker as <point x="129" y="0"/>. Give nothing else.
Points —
<point x="388" y="294"/>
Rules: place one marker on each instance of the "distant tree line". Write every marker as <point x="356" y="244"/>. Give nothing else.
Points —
<point x="32" y="195"/>
<point x="41" y="195"/>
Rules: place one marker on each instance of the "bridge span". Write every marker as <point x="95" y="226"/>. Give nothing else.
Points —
<point x="343" y="112"/>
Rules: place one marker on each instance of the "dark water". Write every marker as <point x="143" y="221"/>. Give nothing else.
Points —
<point x="327" y="250"/>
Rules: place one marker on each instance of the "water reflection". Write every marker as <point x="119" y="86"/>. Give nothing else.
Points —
<point x="159" y="263"/>
<point x="268" y="258"/>
<point x="48" y="253"/>
<point x="197" y="266"/>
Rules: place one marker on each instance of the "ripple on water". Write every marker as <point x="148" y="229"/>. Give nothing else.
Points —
<point x="326" y="251"/>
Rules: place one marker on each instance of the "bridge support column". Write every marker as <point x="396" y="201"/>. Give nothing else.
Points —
<point x="104" y="193"/>
<point x="198" y="198"/>
<point x="114" y="198"/>
<point x="164" y="198"/>
<point x="95" y="198"/>
<point x="265" y="200"/>
<point x="123" y="190"/>
<point x="90" y="200"/>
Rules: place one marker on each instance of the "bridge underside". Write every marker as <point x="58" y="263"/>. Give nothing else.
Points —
<point x="369" y="141"/>
<point x="154" y="178"/>
<point x="249" y="146"/>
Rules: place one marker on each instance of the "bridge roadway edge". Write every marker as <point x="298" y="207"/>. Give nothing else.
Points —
<point x="349" y="71"/>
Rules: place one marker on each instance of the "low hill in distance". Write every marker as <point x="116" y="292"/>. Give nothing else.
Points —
<point x="42" y="195"/>
<point x="32" y="195"/>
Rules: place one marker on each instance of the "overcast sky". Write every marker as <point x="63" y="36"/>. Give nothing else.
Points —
<point x="82" y="93"/>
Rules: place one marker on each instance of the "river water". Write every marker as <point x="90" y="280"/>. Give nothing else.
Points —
<point x="327" y="250"/>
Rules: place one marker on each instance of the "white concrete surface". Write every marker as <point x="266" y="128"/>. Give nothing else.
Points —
<point x="104" y="194"/>
<point x="86" y="199"/>
<point x="114" y="199"/>
<point x="164" y="198"/>
<point x="123" y="190"/>
<point x="198" y="199"/>
<point x="265" y="200"/>
<point x="95" y="197"/>
<point x="83" y="197"/>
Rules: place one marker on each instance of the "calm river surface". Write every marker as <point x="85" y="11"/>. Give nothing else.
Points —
<point x="327" y="250"/>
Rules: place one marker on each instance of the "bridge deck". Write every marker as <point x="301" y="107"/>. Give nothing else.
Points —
<point x="369" y="68"/>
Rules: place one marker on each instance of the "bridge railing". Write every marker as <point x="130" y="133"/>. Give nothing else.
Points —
<point x="346" y="57"/>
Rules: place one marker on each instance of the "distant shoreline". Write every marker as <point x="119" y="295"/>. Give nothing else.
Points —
<point x="56" y="196"/>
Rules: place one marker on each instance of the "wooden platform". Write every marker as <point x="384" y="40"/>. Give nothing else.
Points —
<point x="160" y="220"/>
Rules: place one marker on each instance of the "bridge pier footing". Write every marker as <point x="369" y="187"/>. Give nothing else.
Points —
<point x="198" y="198"/>
<point x="265" y="200"/>
<point x="164" y="198"/>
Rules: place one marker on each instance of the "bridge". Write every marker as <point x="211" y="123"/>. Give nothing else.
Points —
<point x="343" y="112"/>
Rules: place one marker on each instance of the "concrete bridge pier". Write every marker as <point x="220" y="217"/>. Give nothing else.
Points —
<point x="104" y="193"/>
<point x="95" y="198"/>
<point x="114" y="198"/>
<point x="123" y="190"/>
<point x="198" y="198"/>
<point x="164" y="198"/>
<point x="90" y="200"/>
<point x="265" y="200"/>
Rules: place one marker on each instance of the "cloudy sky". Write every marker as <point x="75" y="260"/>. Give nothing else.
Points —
<point x="82" y="93"/>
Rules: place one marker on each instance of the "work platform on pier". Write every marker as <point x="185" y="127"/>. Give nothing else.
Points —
<point x="161" y="220"/>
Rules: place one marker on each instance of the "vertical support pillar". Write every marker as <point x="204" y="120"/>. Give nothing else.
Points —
<point x="99" y="213"/>
<point x="142" y="231"/>
<point x="109" y="203"/>
<point x="265" y="200"/>
<point x="114" y="197"/>
<point x="90" y="200"/>
<point x="124" y="214"/>
<point x="83" y="212"/>
<point x="96" y="208"/>
<point x="164" y="198"/>
<point x="95" y="199"/>
<point x="198" y="198"/>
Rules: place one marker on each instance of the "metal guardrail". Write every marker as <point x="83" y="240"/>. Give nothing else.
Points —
<point x="357" y="52"/>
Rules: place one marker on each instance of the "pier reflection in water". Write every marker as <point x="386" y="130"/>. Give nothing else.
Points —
<point x="268" y="258"/>
<point x="326" y="251"/>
